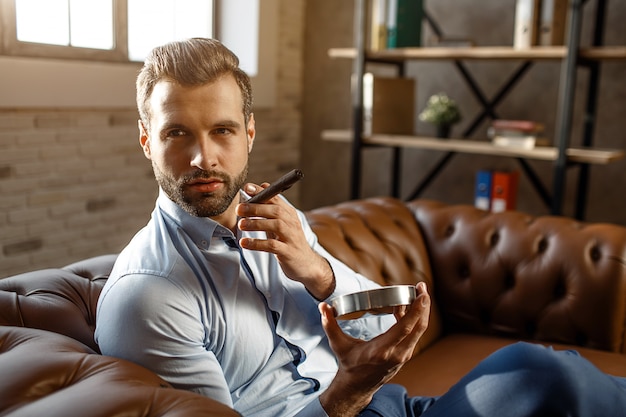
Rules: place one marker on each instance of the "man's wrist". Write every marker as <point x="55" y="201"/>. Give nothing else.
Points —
<point x="326" y="283"/>
<point x="342" y="404"/>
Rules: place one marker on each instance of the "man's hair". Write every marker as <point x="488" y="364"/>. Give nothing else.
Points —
<point x="191" y="62"/>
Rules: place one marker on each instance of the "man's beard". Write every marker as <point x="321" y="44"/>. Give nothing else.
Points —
<point x="201" y="204"/>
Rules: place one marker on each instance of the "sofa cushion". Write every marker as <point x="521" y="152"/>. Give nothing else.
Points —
<point x="446" y="361"/>
<point x="48" y="374"/>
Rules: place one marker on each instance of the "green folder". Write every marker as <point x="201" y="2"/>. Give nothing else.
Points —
<point x="404" y="23"/>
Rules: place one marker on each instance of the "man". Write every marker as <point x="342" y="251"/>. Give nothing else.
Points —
<point x="226" y="298"/>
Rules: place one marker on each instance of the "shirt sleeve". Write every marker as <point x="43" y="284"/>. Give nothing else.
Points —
<point x="169" y="340"/>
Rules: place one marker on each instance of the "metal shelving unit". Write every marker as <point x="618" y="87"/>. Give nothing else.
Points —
<point x="561" y="155"/>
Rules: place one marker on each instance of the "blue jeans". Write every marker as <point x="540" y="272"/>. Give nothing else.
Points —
<point x="522" y="379"/>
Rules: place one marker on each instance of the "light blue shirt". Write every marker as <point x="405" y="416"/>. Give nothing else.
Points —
<point x="187" y="302"/>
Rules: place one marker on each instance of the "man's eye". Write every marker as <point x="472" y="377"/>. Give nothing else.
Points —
<point x="222" y="131"/>
<point x="176" y="133"/>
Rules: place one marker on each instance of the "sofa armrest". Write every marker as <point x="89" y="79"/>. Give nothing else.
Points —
<point x="62" y="300"/>
<point x="545" y="278"/>
<point x="48" y="374"/>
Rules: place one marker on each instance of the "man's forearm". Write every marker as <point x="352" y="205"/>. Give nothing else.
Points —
<point x="323" y="285"/>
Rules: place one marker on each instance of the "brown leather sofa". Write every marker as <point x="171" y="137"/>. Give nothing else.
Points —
<point x="494" y="279"/>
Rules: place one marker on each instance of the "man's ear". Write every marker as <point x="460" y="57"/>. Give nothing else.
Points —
<point x="251" y="130"/>
<point x="144" y="140"/>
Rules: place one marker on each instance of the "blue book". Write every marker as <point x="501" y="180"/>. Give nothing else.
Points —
<point x="482" y="192"/>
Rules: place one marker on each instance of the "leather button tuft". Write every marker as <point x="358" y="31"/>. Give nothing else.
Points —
<point x="560" y="290"/>
<point x="542" y="245"/>
<point x="509" y="281"/>
<point x="464" y="271"/>
<point x="494" y="239"/>
<point x="595" y="253"/>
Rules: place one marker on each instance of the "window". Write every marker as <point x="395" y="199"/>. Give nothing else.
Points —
<point x="90" y="73"/>
<point x="65" y="22"/>
<point x="169" y="20"/>
<point x="109" y="30"/>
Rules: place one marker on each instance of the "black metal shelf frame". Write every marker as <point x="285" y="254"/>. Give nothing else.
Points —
<point x="554" y="199"/>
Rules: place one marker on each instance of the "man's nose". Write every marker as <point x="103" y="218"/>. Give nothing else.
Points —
<point x="203" y="154"/>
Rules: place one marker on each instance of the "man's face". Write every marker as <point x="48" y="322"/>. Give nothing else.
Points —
<point x="198" y="143"/>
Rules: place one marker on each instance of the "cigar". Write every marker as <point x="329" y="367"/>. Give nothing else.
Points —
<point x="282" y="184"/>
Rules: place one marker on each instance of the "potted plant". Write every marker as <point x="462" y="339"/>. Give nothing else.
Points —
<point x="441" y="111"/>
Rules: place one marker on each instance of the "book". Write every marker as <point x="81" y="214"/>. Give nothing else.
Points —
<point x="378" y="25"/>
<point x="519" y="142"/>
<point x="527" y="126"/>
<point x="388" y="105"/>
<point x="482" y="190"/>
<point x="504" y="190"/>
<point x="526" y="30"/>
<point x="392" y="12"/>
<point x="552" y="22"/>
<point x="404" y="23"/>
<point x="522" y="134"/>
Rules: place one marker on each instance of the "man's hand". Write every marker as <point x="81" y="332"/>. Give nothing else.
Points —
<point x="285" y="239"/>
<point x="365" y="366"/>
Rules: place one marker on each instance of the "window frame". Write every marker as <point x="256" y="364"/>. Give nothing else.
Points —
<point x="11" y="46"/>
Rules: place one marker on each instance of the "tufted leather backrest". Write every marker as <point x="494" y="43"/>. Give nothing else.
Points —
<point x="545" y="278"/>
<point x="61" y="300"/>
<point x="379" y="238"/>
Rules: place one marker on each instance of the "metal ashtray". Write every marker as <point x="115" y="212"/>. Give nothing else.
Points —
<point x="377" y="301"/>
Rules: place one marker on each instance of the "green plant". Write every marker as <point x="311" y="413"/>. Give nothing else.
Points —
<point x="440" y="110"/>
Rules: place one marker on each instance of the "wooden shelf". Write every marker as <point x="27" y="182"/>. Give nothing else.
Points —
<point x="545" y="153"/>
<point x="481" y="53"/>
<point x="604" y="53"/>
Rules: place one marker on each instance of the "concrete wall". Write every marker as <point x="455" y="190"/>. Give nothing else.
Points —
<point x="327" y="106"/>
<point x="74" y="182"/>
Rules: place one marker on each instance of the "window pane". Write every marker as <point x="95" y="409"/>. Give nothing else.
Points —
<point x="155" y="22"/>
<point x="91" y="23"/>
<point x="43" y="21"/>
<point x="193" y="18"/>
<point x="240" y="31"/>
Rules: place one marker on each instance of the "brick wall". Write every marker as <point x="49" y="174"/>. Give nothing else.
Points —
<point x="74" y="183"/>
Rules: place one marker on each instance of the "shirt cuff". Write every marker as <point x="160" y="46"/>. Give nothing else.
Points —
<point x="347" y="281"/>
<point x="313" y="409"/>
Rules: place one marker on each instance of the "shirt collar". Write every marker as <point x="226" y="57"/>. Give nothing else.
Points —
<point x="200" y="229"/>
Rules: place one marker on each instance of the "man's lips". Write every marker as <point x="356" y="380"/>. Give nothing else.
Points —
<point x="205" y="186"/>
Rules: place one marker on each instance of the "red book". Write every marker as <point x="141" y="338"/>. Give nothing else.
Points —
<point x="504" y="191"/>
<point x="528" y="126"/>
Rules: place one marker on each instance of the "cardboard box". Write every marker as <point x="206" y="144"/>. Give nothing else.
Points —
<point x="388" y="105"/>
